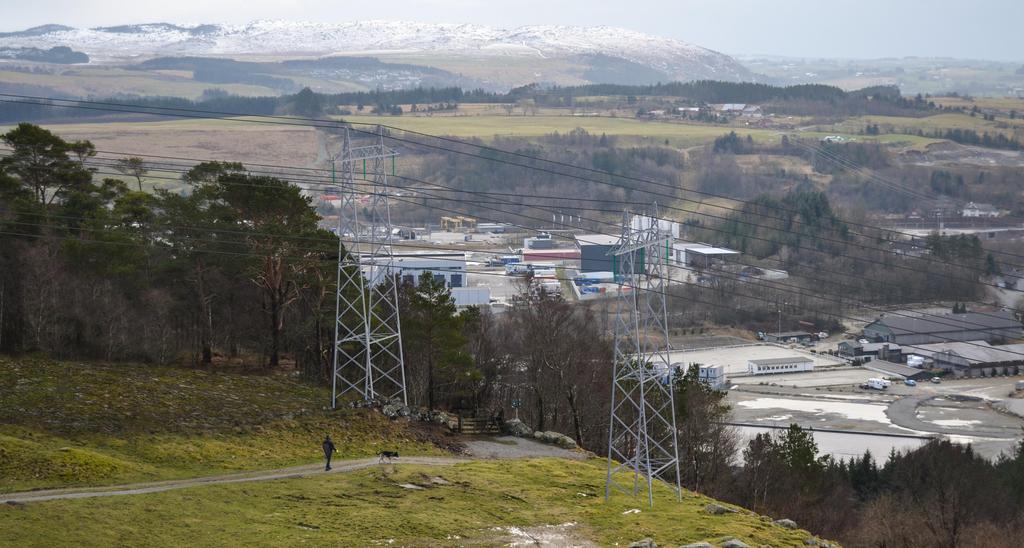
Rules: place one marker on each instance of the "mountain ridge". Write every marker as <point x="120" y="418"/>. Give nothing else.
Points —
<point x="677" y="59"/>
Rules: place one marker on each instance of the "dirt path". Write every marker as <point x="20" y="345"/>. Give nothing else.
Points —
<point x="337" y="467"/>
<point x="481" y="449"/>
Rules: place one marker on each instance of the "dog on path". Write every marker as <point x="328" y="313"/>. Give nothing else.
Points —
<point x="386" y="456"/>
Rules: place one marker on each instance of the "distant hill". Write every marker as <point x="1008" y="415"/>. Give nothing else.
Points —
<point x="605" y="54"/>
<point x="58" y="54"/>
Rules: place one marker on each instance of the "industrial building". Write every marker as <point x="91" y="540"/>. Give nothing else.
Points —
<point x="771" y="366"/>
<point x="788" y="336"/>
<point x="595" y="252"/>
<point x="540" y="241"/>
<point x="451" y="267"/>
<point x="969" y="326"/>
<point x="971" y="358"/>
<point x="898" y="370"/>
<point x="878" y="351"/>
<point x="698" y="255"/>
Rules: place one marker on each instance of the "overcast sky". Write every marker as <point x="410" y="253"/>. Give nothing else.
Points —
<point x="980" y="29"/>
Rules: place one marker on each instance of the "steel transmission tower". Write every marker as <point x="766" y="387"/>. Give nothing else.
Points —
<point x="368" y="356"/>
<point x="642" y="430"/>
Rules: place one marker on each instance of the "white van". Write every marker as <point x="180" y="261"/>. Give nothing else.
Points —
<point x="877" y="384"/>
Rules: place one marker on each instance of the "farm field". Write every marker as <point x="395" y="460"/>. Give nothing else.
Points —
<point x="111" y="81"/>
<point x="221" y="139"/>
<point x="928" y="124"/>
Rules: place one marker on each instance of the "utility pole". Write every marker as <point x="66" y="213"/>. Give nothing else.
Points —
<point x="368" y="357"/>
<point x="642" y="441"/>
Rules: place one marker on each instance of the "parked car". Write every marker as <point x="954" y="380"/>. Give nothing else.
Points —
<point x="910" y="382"/>
<point x="936" y="380"/>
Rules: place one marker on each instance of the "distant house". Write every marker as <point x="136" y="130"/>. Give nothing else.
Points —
<point x="731" y="107"/>
<point x="752" y="111"/>
<point x="937" y="328"/>
<point x="973" y="209"/>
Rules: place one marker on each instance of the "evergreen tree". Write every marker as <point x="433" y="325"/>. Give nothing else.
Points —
<point x="435" y="344"/>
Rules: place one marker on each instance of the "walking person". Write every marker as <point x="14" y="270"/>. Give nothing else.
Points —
<point x="328" y="452"/>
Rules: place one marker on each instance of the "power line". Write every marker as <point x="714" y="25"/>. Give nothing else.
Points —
<point x="740" y="221"/>
<point x="332" y="124"/>
<point x="427" y="269"/>
<point x="796" y="292"/>
<point x="845" y="243"/>
<point x="760" y="283"/>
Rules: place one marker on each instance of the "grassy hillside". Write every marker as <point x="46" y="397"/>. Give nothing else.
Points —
<point x="71" y="424"/>
<point x="473" y="504"/>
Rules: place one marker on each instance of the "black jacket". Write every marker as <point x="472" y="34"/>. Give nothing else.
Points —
<point x="328" y="447"/>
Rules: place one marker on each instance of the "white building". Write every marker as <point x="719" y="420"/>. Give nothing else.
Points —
<point x="771" y="366"/>
<point x="697" y="254"/>
<point x="979" y="210"/>
<point x="410" y="267"/>
<point x="713" y="376"/>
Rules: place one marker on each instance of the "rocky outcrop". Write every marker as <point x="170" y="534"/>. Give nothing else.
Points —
<point x="644" y="543"/>
<point x="555" y="438"/>
<point x="786" y="523"/>
<point x="517" y="428"/>
<point x="718" y="509"/>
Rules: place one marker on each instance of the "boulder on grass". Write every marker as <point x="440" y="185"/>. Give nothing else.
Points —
<point x="644" y="543"/>
<point x="718" y="509"/>
<point x="786" y="523"/>
<point x="733" y="543"/>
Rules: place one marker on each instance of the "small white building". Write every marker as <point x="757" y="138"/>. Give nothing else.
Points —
<point x="713" y="376"/>
<point x="698" y="254"/>
<point x="771" y="366"/>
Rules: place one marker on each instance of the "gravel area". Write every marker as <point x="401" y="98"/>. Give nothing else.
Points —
<point x="509" y="447"/>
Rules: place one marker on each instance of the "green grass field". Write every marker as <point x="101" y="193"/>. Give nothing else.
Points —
<point x="68" y="424"/>
<point x="476" y="505"/>
<point x="928" y="124"/>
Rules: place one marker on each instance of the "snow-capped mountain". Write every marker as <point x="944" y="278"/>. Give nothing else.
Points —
<point x="676" y="59"/>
